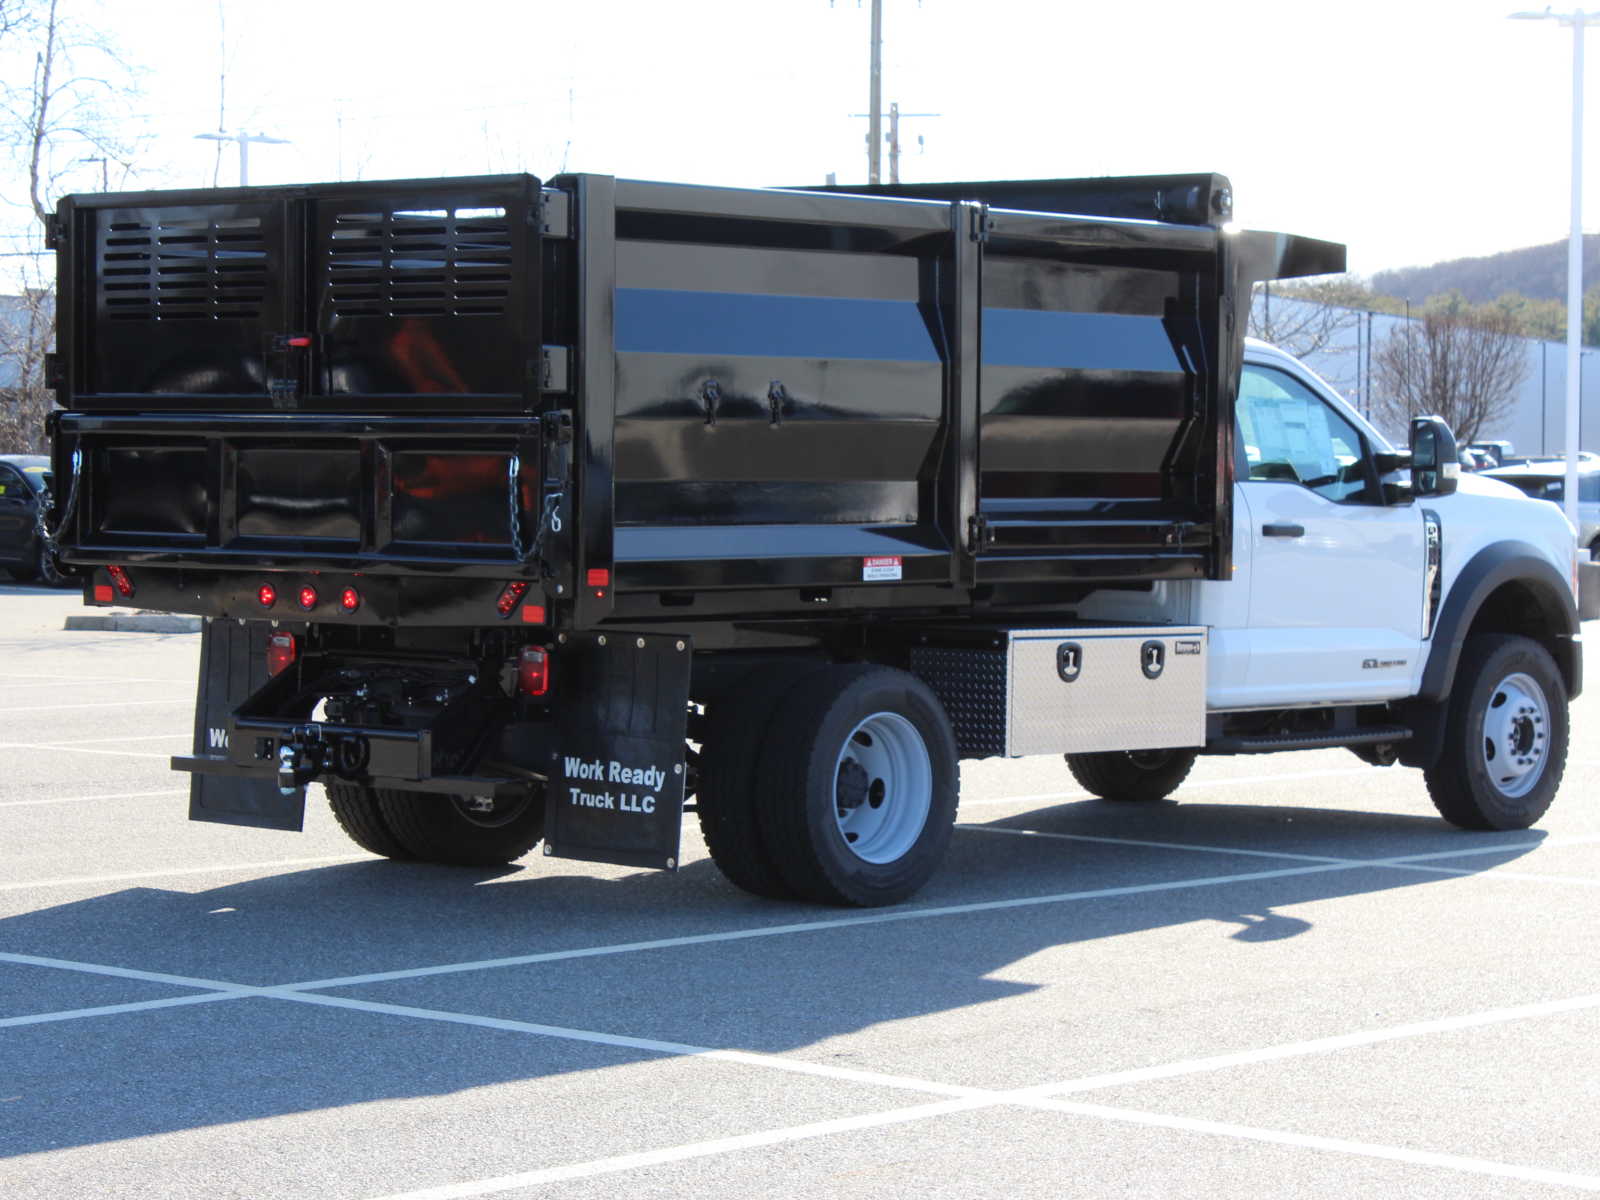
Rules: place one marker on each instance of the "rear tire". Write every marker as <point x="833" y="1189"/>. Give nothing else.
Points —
<point x="1505" y="738"/>
<point x="47" y="570"/>
<point x="726" y="796"/>
<point x="438" y="828"/>
<point x="859" y="786"/>
<point x="1134" y="776"/>
<point x="356" y="809"/>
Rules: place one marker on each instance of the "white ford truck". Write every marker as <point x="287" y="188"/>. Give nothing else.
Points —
<point x="523" y="512"/>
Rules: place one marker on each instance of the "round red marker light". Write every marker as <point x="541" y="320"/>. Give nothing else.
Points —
<point x="267" y="595"/>
<point x="349" y="599"/>
<point x="308" y="597"/>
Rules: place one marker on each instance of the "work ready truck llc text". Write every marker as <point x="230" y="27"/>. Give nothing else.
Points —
<point x="652" y="779"/>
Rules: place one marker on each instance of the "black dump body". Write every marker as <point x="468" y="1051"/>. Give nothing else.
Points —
<point x="651" y="403"/>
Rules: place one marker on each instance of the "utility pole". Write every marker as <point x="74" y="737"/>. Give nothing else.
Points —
<point x="894" y="138"/>
<point x="244" y="139"/>
<point x="875" y="104"/>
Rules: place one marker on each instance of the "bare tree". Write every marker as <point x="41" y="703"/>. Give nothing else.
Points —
<point x="1307" y="318"/>
<point x="27" y="333"/>
<point x="1458" y="362"/>
<point x="60" y="119"/>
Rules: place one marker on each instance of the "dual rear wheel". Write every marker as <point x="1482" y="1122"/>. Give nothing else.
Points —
<point x="465" y="831"/>
<point x="831" y="784"/>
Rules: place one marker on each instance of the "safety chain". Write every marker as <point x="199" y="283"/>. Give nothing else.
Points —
<point x="42" y="517"/>
<point x="549" y="517"/>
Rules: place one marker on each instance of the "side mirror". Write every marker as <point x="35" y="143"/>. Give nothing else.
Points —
<point x="1435" y="461"/>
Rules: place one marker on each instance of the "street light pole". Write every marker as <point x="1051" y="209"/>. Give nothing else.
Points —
<point x="244" y="139"/>
<point x="1577" y="20"/>
<point x="875" y="99"/>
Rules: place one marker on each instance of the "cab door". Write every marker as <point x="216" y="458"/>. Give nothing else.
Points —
<point x="1335" y="576"/>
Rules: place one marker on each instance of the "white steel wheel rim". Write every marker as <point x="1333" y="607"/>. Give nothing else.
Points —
<point x="1516" y="735"/>
<point x="882" y="788"/>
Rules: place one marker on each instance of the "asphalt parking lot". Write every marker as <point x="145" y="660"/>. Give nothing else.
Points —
<point x="1295" y="981"/>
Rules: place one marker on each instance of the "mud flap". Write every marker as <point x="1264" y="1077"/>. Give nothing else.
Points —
<point x="617" y="776"/>
<point x="233" y="667"/>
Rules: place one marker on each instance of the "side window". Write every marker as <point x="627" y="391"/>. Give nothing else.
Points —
<point x="1291" y="436"/>
<point x="11" y="485"/>
<point x="1589" y="488"/>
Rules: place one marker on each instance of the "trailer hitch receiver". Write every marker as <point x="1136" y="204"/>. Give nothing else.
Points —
<point x="308" y="751"/>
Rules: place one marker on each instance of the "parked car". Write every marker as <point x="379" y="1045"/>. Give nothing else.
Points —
<point x="24" y="478"/>
<point x="1547" y="480"/>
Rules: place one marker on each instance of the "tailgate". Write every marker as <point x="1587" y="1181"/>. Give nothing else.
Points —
<point x="338" y="297"/>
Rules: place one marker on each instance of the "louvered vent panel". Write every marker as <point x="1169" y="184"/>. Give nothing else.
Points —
<point x="420" y="263"/>
<point x="192" y="268"/>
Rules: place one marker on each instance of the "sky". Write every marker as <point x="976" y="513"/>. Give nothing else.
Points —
<point x="1412" y="131"/>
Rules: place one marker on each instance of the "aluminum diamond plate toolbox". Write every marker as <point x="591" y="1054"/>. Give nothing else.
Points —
<point x="1071" y="690"/>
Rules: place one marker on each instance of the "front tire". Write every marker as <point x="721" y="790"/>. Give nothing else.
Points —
<point x="453" y="830"/>
<point x="1505" y="741"/>
<point x="1137" y="776"/>
<point x="860" y="786"/>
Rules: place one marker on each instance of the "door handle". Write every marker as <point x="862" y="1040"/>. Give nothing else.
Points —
<point x="1284" y="530"/>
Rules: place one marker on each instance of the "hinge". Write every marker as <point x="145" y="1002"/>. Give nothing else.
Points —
<point x="982" y="225"/>
<point x="555" y="213"/>
<point x="555" y="369"/>
<point x="55" y="231"/>
<point x="1176" y="533"/>
<point x="557" y="427"/>
<point x="979" y="533"/>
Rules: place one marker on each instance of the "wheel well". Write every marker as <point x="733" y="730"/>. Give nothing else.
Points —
<point x="1516" y="607"/>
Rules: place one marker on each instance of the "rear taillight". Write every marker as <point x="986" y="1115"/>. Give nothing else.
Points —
<point x="308" y="597"/>
<point x="266" y="595"/>
<point x="349" y="599"/>
<point x="510" y="596"/>
<point x="533" y="671"/>
<point x="282" y="649"/>
<point x="124" y="585"/>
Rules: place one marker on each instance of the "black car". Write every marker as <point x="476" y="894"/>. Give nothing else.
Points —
<point x="24" y="478"/>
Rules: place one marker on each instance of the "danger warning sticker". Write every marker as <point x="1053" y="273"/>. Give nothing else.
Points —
<point x="885" y="567"/>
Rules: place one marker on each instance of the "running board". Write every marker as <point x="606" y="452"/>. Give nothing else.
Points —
<point x="1371" y="736"/>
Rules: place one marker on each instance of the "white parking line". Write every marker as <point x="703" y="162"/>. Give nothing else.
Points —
<point x="1045" y="1097"/>
<point x="132" y="737"/>
<point x="727" y="1145"/>
<point x="33" y="708"/>
<point x="106" y="1010"/>
<point x="80" y="750"/>
<point x="651" y="1045"/>
<point x="219" y="869"/>
<point x="876" y="918"/>
<point x="89" y="968"/>
<point x="86" y="799"/>
<point x="1305" y="1141"/>
<point x="1315" y="1046"/>
<point x="1402" y="863"/>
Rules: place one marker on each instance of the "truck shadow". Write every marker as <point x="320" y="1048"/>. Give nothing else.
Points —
<point x="740" y="974"/>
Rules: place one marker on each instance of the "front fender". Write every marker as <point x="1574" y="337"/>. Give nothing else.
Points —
<point x="1546" y="612"/>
